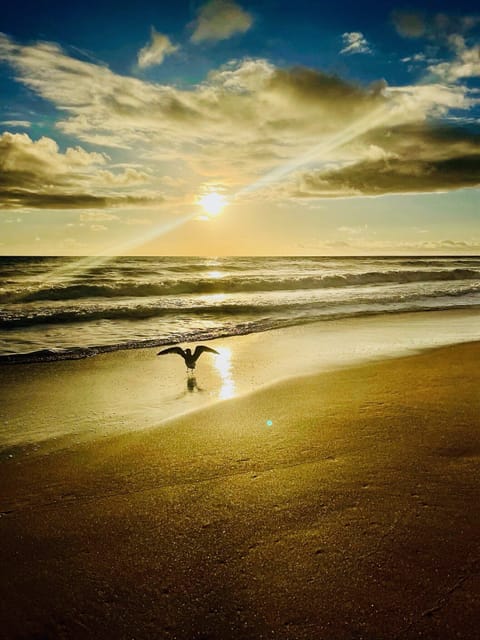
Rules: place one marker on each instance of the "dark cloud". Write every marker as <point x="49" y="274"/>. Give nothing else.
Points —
<point x="17" y="198"/>
<point x="415" y="24"/>
<point x="426" y="142"/>
<point x="382" y="177"/>
<point x="409" y="24"/>
<point x="219" y="20"/>
<point x="310" y="85"/>
<point x="415" y="160"/>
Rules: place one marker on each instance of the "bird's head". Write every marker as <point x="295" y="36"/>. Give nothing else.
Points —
<point x="188" y="352"/>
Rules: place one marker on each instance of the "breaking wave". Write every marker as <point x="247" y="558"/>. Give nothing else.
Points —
<point x="235" y="284"/>
<point x="156" y="310"/>
<point x="59" y="308"/>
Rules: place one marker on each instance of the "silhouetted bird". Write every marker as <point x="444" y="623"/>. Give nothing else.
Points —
<point x="189" y="357"/>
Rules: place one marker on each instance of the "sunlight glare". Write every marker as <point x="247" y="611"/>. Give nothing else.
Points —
<point x="223" y="364"/>
<point x="212" y="203"/>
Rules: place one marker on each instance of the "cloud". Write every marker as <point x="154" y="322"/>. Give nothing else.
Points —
<point x="417" y="159"/>
<point x="97" y="216"/>
<point x="465" y="65"/>
<point x="247" y="120"/>
<point x="19" y="153"/>
<point x="36" y="174"/>
<point x="154" y="52"/>
<point x="435" y="27"/>
<point x="361" y="244"/>
<point x="451" y="32"/>
<point x="417" y="57"/>
<point x="355" y="42"/>
<point x="24" y="124"/>
<point x="371" y="178"/>
<point x="409" y="24"/>
<point x="126" y="178"/>
<point x="353" y="231"/>
<point x="263" y="111"/>
<point x="219" y="20"/>
<point x="442" y="25"/>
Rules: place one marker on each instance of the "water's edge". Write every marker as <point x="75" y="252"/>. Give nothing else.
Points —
<point x="79" y="353"/>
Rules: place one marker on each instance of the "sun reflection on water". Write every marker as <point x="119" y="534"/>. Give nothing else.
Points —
<point x="223" y="364"/>
<point x="214" y="298"/>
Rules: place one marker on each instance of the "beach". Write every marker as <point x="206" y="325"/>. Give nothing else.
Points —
<point x="334" y="504"/>
<point x="239" y="320"/>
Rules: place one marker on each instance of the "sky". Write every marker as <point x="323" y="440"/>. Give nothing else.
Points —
<point x="239" y="128"/>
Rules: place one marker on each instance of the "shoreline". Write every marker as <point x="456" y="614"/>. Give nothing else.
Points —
<point x="59" y="354"/>
<point x="43" y="406"/>
<point x="349" y="516"/>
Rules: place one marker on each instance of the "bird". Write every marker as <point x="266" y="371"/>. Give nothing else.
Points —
<point x="189" y="357"/>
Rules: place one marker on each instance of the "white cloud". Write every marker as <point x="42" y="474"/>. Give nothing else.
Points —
<point x="126" y="178"/>
<point x="417" y="57"/>
<point x="24" y="124"/>
<point x="355" y="42"/>
<point x="155" y="51"/>
<point x="97" y="216"/>
<point x="37" y="174"/>
<point x="18" y="152"/>
<point x="219" y="20"/>
<point x="353" y="231"/>
<point x="248" y="119"/>
<point x="465" y="65"/>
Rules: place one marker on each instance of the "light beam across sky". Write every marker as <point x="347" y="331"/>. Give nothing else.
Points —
<point x="118" y="120"/>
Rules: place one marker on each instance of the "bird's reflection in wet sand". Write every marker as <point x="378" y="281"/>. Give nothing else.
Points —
<point x="192" y="387"/>
<point x="192" y="384"/>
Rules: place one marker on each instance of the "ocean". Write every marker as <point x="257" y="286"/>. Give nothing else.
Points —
<point x="65" y="308"/>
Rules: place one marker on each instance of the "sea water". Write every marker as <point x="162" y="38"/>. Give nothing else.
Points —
<point x="62" y="308"/>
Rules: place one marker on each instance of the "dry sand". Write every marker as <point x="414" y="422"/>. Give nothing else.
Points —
<point x="354" y="515"/>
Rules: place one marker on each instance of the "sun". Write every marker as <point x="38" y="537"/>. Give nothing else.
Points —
<point x="212" y="203"/>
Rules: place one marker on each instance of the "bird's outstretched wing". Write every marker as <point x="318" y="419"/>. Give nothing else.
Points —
<point x="200" y="349"/>
<point x="178" y="350"/>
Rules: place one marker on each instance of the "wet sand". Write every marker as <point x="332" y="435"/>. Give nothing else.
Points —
<point x="354" y="514"/>
<point x="50" y="405"/>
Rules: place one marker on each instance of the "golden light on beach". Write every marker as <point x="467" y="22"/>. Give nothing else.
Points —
<point x="239" y="337"/>
<point x="212" y="203"/>
<point x="223" y="364"/>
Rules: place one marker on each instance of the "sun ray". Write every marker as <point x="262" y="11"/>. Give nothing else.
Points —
<point x="213" y="202"/>
<point x="331" y="143"/>
<point x="87" y="263"/>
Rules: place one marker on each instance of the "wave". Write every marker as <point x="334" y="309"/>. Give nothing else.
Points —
<point x="219" y="311"/>
<point x="79" y="353"/>
<point x="235" y="284"/>
<point x="256" y="326"/>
